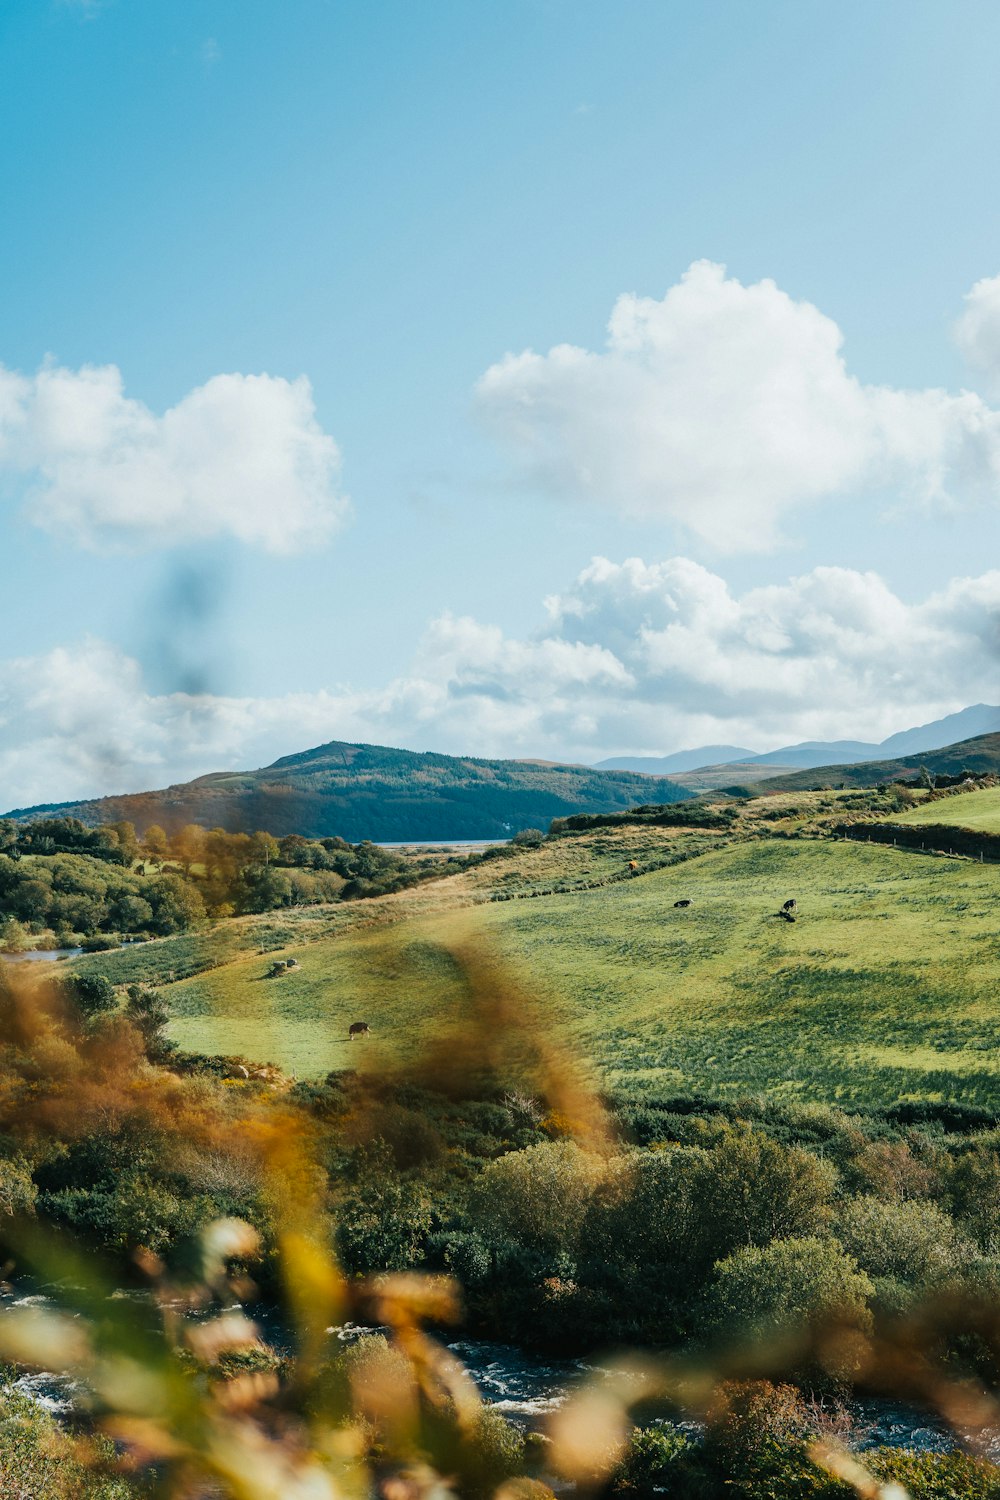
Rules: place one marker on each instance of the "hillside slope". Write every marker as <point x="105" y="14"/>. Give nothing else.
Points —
<point x="979" y="754"/>
<point x="372" y="792"/>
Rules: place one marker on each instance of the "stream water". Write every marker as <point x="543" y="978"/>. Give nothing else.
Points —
<point x="525" y="1387"/>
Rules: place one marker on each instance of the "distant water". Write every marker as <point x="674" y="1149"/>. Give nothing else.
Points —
<point x="442" y="843"/>
<point x="41" y="955"/>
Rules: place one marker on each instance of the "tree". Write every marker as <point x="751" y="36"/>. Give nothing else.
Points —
<point x="383" y="1222"/>
<point x="176" y="904"/>
<point x="538" y="1196"/>
<point x="264" y="848"/>
<point x="752" y="1190"/>
<point x="771" y="1293"/>
<point x="187" y="846"/>
<point x="149" y="1014"/>
<point x="128" y="844"/>
<point x="129" y="913"/>
<point x="910" y="1241"/>
<point x="92" y="994"/>
<point x="155" y="845"/>
<point x="261" y="888"/>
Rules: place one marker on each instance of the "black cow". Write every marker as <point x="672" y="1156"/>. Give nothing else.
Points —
<point x="789" y="905"/>
<point x="682" y="903"/>
<point x="358" y="1028"/>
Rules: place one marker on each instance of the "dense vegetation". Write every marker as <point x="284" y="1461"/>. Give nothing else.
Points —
<point x="782" y="1187"/>
<point x="571" y="1222"/>
<point x="62" y="883"/>
<point x="371" y="792"/>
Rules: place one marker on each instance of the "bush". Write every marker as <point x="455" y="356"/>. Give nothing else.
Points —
<point x="38" y="1459"/>
<point x="937" y="1476"/>
<point x="786" y="1288"/>
<point x="751" y="1190"/>
<point x="538" y="1196"/>
<point x="658" y="1462"/>
<point x="91" y="994"/>
<point x="911" y="1242"/>
<point x="756" y="1445"/>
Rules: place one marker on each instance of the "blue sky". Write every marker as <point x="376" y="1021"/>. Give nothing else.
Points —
<point x="386" y="199"/>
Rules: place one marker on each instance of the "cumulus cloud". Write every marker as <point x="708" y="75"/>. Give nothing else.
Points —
<point x="240" y="456"/>
<point x="977" y="331"/>
<point x="635" y="658"/>
<point x="725" y="407"/>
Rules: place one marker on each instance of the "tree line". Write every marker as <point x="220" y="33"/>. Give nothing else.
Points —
<point x="70" y="882"/>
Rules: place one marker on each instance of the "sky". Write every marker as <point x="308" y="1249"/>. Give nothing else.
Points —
<point x="500" y="377"/>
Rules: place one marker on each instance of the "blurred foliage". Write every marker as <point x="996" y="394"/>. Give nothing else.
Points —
<point x="749" y="1253"/>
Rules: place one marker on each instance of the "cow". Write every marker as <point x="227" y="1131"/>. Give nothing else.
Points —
<point x="789" y="905"/>
<point x="787" y="915"/>
<point x="685" y="902"/>
<point x="358" y="1028"/>
<point x="632" y="867"/>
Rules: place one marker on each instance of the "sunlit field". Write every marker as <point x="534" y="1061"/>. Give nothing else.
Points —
<point x="885" y="987"/>
<point x="979" y="810"/>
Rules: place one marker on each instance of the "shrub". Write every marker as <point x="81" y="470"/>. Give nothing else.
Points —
<point x="538" y="1196"/>
<point x="751" y="1190"/>
<point x="908" y="1241"/>
<point x="658" y="1462"/>
<point x="785" y="1288"/>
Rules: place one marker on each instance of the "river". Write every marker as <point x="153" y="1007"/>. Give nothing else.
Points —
<point x="525" y="1387"/>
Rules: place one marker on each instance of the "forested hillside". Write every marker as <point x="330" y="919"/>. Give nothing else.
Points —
<point x="360" y="792"/>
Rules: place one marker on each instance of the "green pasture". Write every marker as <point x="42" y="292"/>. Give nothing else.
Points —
<point x="979" y="810"/>
<point x="885" y="987"/>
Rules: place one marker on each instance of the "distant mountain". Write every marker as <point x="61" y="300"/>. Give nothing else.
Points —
<point x="955" y="728"/>
<point x="372" y="792"/>
<point x="981" y="753"/>
<point x="968" y="723"/>
<point x="681" y="760"/>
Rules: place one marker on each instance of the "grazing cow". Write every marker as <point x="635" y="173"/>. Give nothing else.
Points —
<point x="632" y="866"/>
<point x="358" y="1028"/>
<point x="685" y="902"/>
<point x="789" y="905"/>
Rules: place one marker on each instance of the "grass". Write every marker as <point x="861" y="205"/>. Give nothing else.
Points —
<point x="886" y="987"/>
<point x="978" y="810"/>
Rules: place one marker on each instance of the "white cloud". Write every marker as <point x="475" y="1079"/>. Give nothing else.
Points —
<point x="725" y="407"/>
<point x="977" y="331"/>
<point x="635" y="658"/>
<point x="240" y="456"/>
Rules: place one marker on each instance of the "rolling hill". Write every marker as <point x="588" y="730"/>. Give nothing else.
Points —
<point x="979" y="754"/>
<point x="372" y="792"/>
<point x="885" y="988"/>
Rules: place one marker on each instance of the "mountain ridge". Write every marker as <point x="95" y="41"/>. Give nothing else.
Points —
<point x="359" y="791"/>
<point x="965" y="724"/>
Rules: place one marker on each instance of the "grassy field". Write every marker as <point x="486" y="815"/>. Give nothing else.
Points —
<point x="886" y="986"/>
<point x="979" y="810"/>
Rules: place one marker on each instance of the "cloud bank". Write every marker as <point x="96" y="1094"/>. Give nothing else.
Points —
<point x="241" y="456"/>
<point x="635" y="658"/>
<point x="726" y="407"/>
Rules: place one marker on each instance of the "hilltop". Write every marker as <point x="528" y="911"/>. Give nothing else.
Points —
<point x="359" y="792"/>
